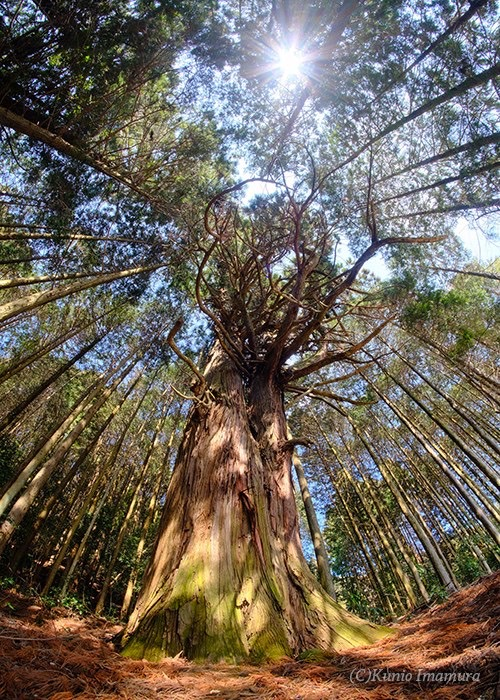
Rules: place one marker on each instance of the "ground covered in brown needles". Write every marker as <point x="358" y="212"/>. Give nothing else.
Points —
<point x="448" y="651"/>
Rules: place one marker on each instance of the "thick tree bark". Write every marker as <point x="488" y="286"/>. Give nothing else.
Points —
<point x="228" y="579"/>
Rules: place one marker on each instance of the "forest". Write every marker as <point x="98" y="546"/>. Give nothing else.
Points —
<point x="248" y="340"/>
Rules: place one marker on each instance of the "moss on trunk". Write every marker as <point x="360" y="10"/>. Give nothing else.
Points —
<point x="228" y="579"/>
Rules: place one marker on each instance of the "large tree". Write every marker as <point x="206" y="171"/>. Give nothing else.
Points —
<point x="368" y="128"/>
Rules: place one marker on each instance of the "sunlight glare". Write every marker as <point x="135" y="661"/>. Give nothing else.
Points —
<point x="290" y="62"/>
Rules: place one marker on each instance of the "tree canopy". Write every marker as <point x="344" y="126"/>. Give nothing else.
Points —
<point x="191" y="198"/>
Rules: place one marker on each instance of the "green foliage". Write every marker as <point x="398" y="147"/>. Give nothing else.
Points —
<point x="434" y="303"/>
<point x="10" y="452"/>
<point x="353" y="589"/>
<point x="70" y="601"/>
<point x="464" y="314"/>
<point x="465" y="564"/>
<point x="7" y="582"/>
<point x="75" y="604"/>
<point x="465" y="341"/>
<point x="352" y="592"/>
<point x="313" y="656"/>
<point x="428" y="575"/>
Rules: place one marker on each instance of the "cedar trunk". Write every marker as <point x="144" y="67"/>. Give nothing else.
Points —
<point x="228" y="579"/>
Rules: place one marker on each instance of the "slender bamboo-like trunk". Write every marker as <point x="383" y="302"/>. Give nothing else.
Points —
<point x="16" y="365"/>
<point x="126" y="522"/>
<point x="457" y="515"/>
<point x="373" y="564"/>
<point x="356" y="536"/>
<point x="474" y="437"/>
<point x="432" y="548"/>
<point x="82" y="553"/>
<point x="228" y="578"/>
<point x="380" y="526"/>
<point x="485" y="468"/>
<point x="24" y="502"/>
<point x="148" y="521"/>
<point x="391" y="585"/>
<point x="452" y="512"/>
<point x="33" y="301"/>
<point x="324" y="573"/>
<point x="384" y="530"/>
<point x="443" y="155"/>
<point x="114" y="486"/>
<point x="453" y="403"/>
<point x="20" y="261"/>
<point x="49" y="504"/>
<point x="13" y="282"/>
<point x="68" y="573"/>
<point x="98" y="481"/>
<point x="79" y="152"/>
<point x="128" y="516"/>
<point x="48" y="442"/>
<point x="13" y="416"/>
<point x="20" y="552"/>
<point x="436" y="454"/>
<point x="420" y="477"/>
<point x="18" y="236"/>
<point x="13" y="367"/>
<point x="98" y="556"/>
<point x="487" y="386"/>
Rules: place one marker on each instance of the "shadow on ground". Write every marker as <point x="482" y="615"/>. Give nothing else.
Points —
<point x="449" y="652"/>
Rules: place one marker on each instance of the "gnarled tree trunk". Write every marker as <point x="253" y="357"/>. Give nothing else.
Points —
<point x="228" y="579"/>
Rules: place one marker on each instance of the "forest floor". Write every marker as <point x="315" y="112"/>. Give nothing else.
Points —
<point x="448" y="651"/>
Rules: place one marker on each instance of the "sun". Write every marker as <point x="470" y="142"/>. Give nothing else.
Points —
<point x="290" y="63"/>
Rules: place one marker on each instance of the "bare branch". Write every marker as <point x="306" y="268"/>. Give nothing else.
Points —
<point x="170" y="340"/>
<point x="472" y="273"/>
<point x="331" y="357"/>
<point x="449" y="153"/>
<point x="317" y="393"/>
<point x="348" y="278"/>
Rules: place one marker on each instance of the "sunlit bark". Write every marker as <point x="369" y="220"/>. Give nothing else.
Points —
<point x="228" y="578"/>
